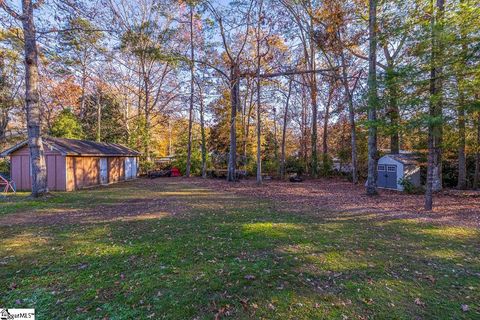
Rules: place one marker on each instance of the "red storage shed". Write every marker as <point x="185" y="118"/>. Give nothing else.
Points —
<point x="75" y="164"/>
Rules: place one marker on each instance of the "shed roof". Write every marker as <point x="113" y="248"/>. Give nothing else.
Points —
<point x="404" y="158"/>
<point x="80" y="148"/>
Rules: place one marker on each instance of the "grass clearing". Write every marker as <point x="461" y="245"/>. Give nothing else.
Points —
<point x="213" y="254"/>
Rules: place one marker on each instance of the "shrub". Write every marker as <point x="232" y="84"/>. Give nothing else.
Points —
<point x="295" y="165"/>
<point x="326" y="168"/>
<point x="145" y="166"/>
<point x="409" y="187"/>
<point x="5" y="167"/>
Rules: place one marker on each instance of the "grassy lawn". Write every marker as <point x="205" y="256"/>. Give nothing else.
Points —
<point x="202" y="254"/>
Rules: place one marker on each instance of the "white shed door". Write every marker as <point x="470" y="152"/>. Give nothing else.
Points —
<point x="103" y="171"/>
<point x="130" y="168"/>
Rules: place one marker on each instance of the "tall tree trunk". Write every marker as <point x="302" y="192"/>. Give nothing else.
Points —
<point x="393" y="112"/>
<point x="313" y="97"/>
<point x="372" y="100"/>
<point x="275" y="135"/>
<point x="326" y="118"/>
<point x="462" y="165"/>
<point x="204" y="139"/>
<point x="247" y="130"/>
<point x="305" y="134"/>
<point x="234" y="102"/>
<point x="4" y="103"/>
<point x="434" y="165"/>
<point x="4" y="119"/>
<point x="146" y="141"/>
<point x="35" y="143"/>
<point x="82" y="93"/>
<point x="192" y="89"/>
<point x="476" y="179"/>
<point x="351" y="117"/>
<point x="259" y="105"/>
<point x="259" y="133"/>
<point x="99" y="117"/>
<point x="284" y="130"/>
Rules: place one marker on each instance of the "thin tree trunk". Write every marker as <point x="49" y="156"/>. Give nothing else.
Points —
<point x="305" y="133"/>
<point x="247" y="129"/>
<point x="99" y="118"/>
<point x="462" y="166"/>
<point x="192" y="89"/>
<point x="204" y="140"/>
<point x="146" y="142"/>
<point x="35" y="143"/>
<point x="435" y="124"/>
<point x="259" y="106"/>
<point x="284" y="130"/>
<point x="82" y="94"/>
<point x="259" y="135"/>
<point x="4" y="119"/>
<point x="326" y="118"/>
<point x="393" y="112"/>
<point x="372" y="100"/>
<point x="4" y="104"/>
<point x="313" y="96"/>
<point x="476" y="179"/>
<point x="275" y="135"/>
<point x="351" y="117"/>
<point x="234" y="97"/>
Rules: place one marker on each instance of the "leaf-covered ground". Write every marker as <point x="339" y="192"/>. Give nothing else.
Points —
<point x="189" y="249"/>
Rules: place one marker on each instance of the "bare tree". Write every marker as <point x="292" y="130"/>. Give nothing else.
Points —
<point x="284" y="129"/>
<point x="259" y="110"/>
<point x="351" y="117"/>
<point x="192" y="92"/>
<point x="233" y="58"/>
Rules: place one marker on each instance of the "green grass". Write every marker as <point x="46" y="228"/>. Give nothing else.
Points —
<point x="234" y="257"/>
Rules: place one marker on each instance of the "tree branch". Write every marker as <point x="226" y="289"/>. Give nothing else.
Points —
<point x="10" y="11"/>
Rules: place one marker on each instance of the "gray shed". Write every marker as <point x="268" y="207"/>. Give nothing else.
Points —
<point x="393" y="168"/>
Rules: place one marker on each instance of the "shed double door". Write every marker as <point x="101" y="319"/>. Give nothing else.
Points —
<point x="387" y="176"/>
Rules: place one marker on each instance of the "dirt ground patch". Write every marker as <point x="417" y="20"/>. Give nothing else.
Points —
<point x="452" y="207"/>
<point x="328" y="198"/>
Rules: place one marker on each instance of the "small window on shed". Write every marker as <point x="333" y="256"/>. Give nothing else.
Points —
<point x="391" y="168"/>
<point x="381" y="167"/>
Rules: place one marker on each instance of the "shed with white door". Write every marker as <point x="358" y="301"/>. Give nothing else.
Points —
<point x="74" y="164"/>
<point x="392" y="169"/>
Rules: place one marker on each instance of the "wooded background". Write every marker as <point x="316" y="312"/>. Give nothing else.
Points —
<point x="289" y="85"/>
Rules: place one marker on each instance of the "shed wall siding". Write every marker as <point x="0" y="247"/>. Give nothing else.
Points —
<point x="116" y="169"/>
<point x="21" y="172"/>
<point x="82" y="172"/>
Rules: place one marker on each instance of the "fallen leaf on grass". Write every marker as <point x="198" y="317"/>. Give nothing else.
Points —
<point x="465" y="307"/>
<point x="249" y="277"/>
<point x="419" y="302"/>
<point x="244" y="303"/>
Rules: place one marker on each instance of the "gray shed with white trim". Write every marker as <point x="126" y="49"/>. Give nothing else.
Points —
<point x="393" y="168"/>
